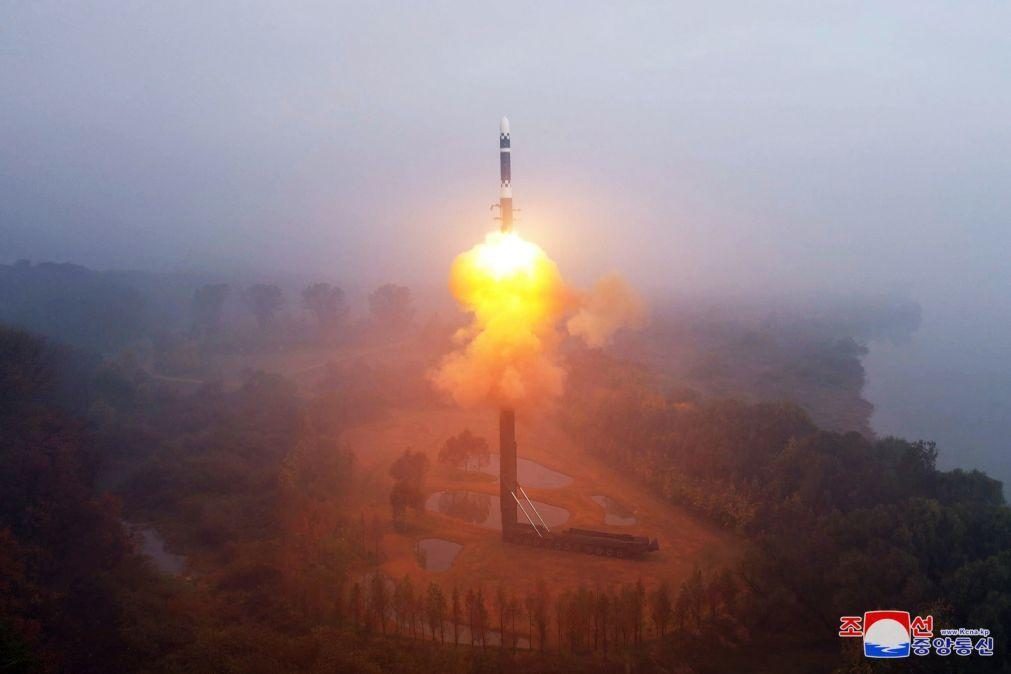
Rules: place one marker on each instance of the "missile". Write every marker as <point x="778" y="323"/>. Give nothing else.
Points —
<point x="505" y="198"/>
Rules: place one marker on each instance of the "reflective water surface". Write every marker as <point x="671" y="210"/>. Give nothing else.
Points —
<point x="614" y="512"/>
<point x="484" y="510"/>
<point x="152" y="545"/>
<point x="531" y="474"/>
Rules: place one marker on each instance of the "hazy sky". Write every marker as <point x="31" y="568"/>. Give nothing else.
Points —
<point x="687" y="145"/>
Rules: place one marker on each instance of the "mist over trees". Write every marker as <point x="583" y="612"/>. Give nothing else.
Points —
<point x="461" y="449"/>
<point x="254" y="482"/>
<point x="391" y="308"/>
<point x="250" y="478"/>
<point x="328" y="305"/>
<point x="208" y="305"/>
<point x="264" y="301"/>
<point x="96" y="311"/>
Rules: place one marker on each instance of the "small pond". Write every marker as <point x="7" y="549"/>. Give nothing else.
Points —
<point x="484" y="509"/>
<point x="614" y="512"/>
<point x="437" y="554"/>
<point x="530" y="474"/>
<point x="152" y="545"/>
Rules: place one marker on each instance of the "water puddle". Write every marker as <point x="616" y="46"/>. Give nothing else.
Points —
<point x="615" y="513"/>
<point x="437" y="554"/>
<point x="152" y="545"/>
<point x="484" y="510"/>
<point x="531" y="474"/>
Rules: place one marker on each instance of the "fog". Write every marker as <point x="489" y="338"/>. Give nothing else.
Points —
<point x="707" y="148"/>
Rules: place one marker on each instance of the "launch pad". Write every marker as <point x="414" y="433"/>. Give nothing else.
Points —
<point x="535" y="532"/>
<point x="513" y="498"/>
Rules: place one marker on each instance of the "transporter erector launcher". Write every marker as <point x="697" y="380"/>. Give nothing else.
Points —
<point x="513" y="499"/>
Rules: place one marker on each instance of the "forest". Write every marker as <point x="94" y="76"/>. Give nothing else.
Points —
<point x="251" y="476"/>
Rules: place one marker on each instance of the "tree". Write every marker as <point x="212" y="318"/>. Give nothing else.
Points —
<point x="264" y="301"/>
<point x="502" y="603"/>
<point x="470" y="600"/>
<point x="561" y="613"/>
<point x="458" y="450"/>
<point x="661" y="608"/>
<point x="602" y="612"/>
<point x="513" y="612"/>
<point x="403" y="598"/>
<point x="691" y="598"/>
<point x="400" y="496"/>
<point x="208" y="302"/>
<point x="435" y="606"/>
<point x="410" y="467"/>
<point x="542" y="600"/>
<point x="379" y="600"/>
<point x="722" y="590"/>
<point x="327" y="304"/>
<point x="391" y="307"/>
<point x="408" y="472"/>
<point x="481" y="616"/>
<point x="457" y="617"/>
<point x="640" y="609"/>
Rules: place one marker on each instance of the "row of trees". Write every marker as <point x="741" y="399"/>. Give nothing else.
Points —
<point x="390" y="306"/>
<point x="580" y="622"/>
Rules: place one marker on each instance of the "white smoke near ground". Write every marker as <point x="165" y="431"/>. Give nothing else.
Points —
<point x="609" y="307"/>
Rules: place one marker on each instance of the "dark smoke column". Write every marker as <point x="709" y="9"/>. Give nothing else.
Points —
<point x="505" y="197"/>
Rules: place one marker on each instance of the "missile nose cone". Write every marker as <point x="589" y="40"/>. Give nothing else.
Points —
<point x="504" y="126"/>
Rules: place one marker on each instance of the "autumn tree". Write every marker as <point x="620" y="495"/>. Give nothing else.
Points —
<point x="435" y="609"/>
<point x="327" y="304"/>
<point x="391" y="308"/>
<point x="541" y="603"/>
<point x="722" y="592"/>
<point x="601" y="614"/>
<point x="264" y="301"/>
<point x="661" y="608"/>
<point x="408" y="473"/>
<point x="460" y="450"/>
<point x="403" y="596"/>
<point x="379" y="600"/>
<point x="457" y="615"/>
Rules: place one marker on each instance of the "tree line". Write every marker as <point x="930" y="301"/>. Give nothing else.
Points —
<point x="834" y="523"/>
<point x="390" y="306"/>
<point x="581" y="621"/>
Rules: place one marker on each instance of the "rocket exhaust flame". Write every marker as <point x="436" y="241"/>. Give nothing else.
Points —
<point x="518" y="300"/>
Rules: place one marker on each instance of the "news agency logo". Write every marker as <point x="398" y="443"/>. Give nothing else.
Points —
<point x="886" y="634"/>
<point x="895" y="634"/>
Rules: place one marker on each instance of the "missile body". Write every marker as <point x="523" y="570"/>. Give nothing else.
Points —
<point x="505" y="199"/>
